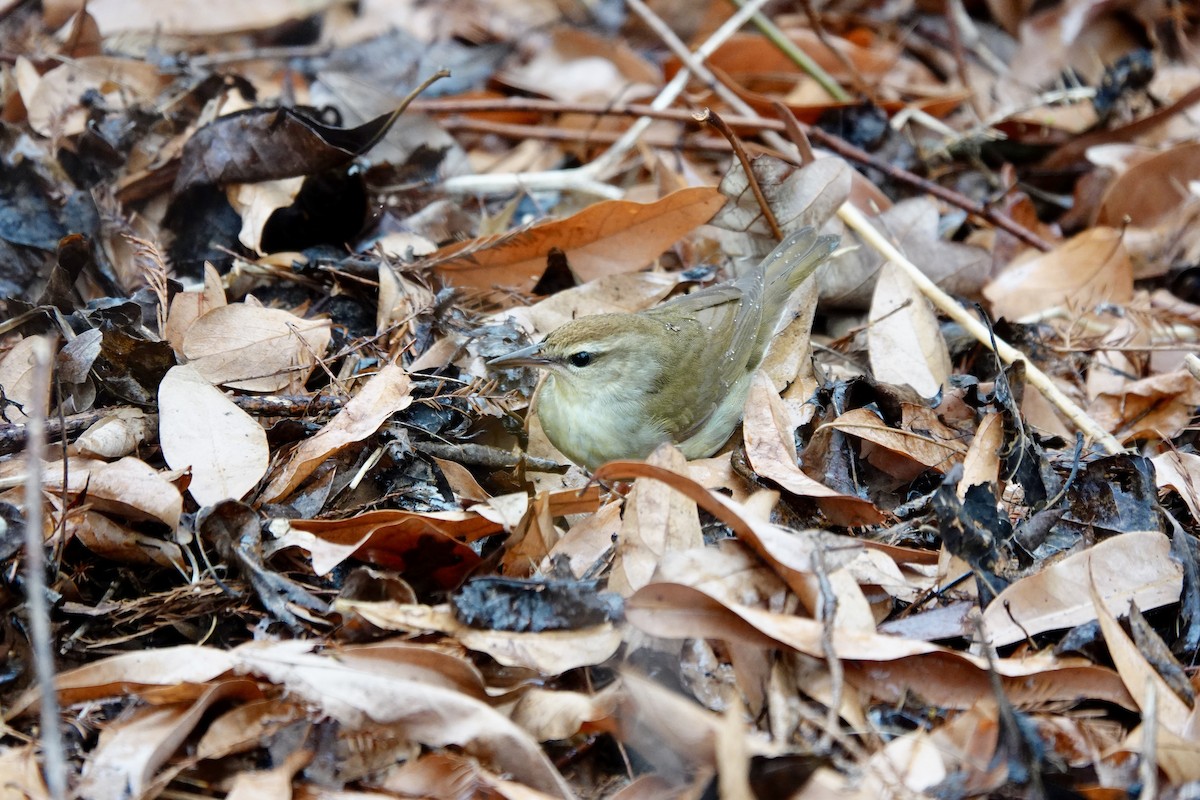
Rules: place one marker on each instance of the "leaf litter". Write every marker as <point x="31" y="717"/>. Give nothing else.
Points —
<point x="305" y="544"/>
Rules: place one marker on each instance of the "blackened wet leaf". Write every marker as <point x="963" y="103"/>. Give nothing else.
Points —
<point x="132" y="367"/>
<point x="264" y="144"/>
<point x="1185" y="550"/>
<point x="235" y="529"/>
<point x="1115" y="495"/>
<point x="974" y="530"/>
<point x="1155" y="650"/>
<point x="507" y="604"/>
<point x="27" y="214"/>
<point x="74" y="254"/>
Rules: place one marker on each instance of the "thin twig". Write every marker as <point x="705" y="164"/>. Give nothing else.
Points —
<point x="713" y="119"/>
<point x="694" y="62"/>
<point x="837" y="675"/>
<point x="798" y="57"/>
<point x="54" y="765"/>
<point x="849" y="151"/>
<point x="857" y="221"/>
<point x="589" y="177"/>
<point x="954" y="13"/>
<point x="751" y="121"/>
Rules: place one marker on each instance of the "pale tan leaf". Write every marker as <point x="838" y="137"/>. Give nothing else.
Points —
<point x="219" y="17"/>
<point x="384" y="394"/>
<point x="270" y="784"/>
<point x="256" y="202"/>
<point x="132" y="750"/>
<point x="981" y="464"/>
<point x="1133" y="567"/>
<point x="1157" y="406"/>
<point x="255" y="349"/>
<point x="20" y="773"/>
<point x="55" y="106"/>
<point x="429" y="714"/>
<point x="1087" y="270"/>
<point x="16" y="376"/>
<point x="771" y="449"/>
<point x="1139" y="675"/>
<point x="657" y="521"/>
<point x="548" y="652"/>
<point x="201" y="429"/>
<point x="129" y="488"/>
<point x="550" y="715"/>
<point x="904" y="339"/>
<point x="1180" y="471"/>
<point x="116" y="434"/>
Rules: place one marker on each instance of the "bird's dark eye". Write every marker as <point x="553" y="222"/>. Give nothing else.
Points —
<point x="580" y="359"/>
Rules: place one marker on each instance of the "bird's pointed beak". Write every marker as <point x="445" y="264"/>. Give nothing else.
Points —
<point x="530" y="356"/>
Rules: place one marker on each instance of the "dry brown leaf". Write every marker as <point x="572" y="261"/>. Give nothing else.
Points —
<point x="904" y="340"/>
<point x="385" y="393"/>
<point x="676" y="611"/>
<point x="201" y="429"/>
<point x="981" y="464"/>
<point x="1130" y="567"/>
<point x="55" y="105"/>
<point x="107" y="538"/>
<point x="548" y="652"/>
<point x="1087" y="270"/>
<point x="255" y="349"/>
<point x="429" y="714"/>
<point x="128" y="488"/>
<point x="16" y="376"/>
<point x="132" y="750"/>
<point x="939" y="449"/>
<point x="657" y="521"/>
<point x="771" y="449"/>
<point x="1139" y="676"/>
<point x="1180" y="471"/>
<point x="245" y="727"/>
<point x="1151" y="189"/>
<point x="395" y="539"/>
<point x="174" y="17"/>
<point x="1158" y="406"/>
<point x="604" y="239"/>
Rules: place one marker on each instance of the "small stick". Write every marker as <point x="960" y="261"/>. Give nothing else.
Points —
<point x="54" y="765"/>
<point x="849" y="151"/>
<point x="827" y="140"/>
<point x="588" y="177"/>
<point x="858" y="222"/>
<point x="713" y="119"/>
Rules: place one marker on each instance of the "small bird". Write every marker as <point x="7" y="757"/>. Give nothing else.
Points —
<point x="622" y="384"/>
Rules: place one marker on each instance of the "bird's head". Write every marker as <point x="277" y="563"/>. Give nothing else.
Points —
<point x="598" y="354"/>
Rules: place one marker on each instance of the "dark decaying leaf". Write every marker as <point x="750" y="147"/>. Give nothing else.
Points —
<point x="975" y="530"/>
<point x="235" y="529"/>
<point x="507" y="604"/>
<point x="264" y="144"/>
<point x="1115" y="495"/>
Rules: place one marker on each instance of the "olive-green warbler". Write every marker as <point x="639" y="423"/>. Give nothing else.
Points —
<point x="621" y="384"/>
